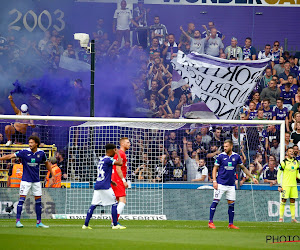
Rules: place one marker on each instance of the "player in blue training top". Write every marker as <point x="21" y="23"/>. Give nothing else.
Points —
<point x="103" y="193"/>
<point x="226" y="164"/>
<point x="31" y="159"/>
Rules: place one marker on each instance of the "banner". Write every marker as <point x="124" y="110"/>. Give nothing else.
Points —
<point x="108" y="216"/>
<point x="198" y="110"/>
<point x="222" y="84"/>
<point x="74" y="64"/>
<point x="270" y="3"/>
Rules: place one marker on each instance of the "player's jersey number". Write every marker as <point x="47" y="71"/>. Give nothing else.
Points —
<point x="100" y="171"/>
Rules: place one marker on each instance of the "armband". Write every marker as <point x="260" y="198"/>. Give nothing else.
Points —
<point x="214" y="181"/>
<point x="123" y="179"/>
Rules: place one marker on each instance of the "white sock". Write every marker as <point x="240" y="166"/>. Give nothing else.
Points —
<point x="120" y="207"/>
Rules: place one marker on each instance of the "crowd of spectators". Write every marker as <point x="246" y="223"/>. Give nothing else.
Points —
<point x="189" y="154"/>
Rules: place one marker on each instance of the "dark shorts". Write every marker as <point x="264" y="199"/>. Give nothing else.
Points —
<point x="18" y="137"/>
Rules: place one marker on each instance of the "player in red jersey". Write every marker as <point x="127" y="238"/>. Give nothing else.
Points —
<point x="119" y="176"/>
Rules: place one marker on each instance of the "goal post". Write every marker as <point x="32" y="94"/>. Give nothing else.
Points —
<point x="145" y="197"/>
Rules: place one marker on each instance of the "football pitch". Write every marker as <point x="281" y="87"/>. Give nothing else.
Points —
<point x="67" y="234"/>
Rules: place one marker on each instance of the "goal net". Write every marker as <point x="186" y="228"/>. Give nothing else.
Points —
<point x="158" y="162"/>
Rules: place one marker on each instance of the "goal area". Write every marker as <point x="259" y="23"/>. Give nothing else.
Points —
<point x="152" y="165"/>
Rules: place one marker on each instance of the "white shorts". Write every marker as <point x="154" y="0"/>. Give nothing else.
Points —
<point x="35" y="187"/>
<point x="104" y="197"/>
<point x="230" y="192"/>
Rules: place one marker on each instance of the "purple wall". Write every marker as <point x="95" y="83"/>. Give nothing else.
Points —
<point x="276" y="23"/>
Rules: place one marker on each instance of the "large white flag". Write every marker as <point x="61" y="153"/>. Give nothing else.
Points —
<point x="224" y="85"/>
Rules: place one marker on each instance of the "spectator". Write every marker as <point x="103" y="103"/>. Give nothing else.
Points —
<point x="287" y="141"/>
<point x="295" y="119"/>
<point x="294" y="67"/>
<point x="271" y="92"/>
<point x="16" y="133"/>
<point x="296" y="152"/>
<point x="202" y="172"/>
<point x="283" y="77"/>
<point x="154" y="46"/>
<point x="69" y="52"/>
<point x="264" y="82"/>
<point x="206" y="138"/>
<point x="236" y="138"/>
<point x="291" y="82"/>
<point x="271" y="133"/>
<point x="172" y="144"/>
<point x="177" y="114"/>
<point x="297" y="96"/>
<point x="162" y="169"/>
<point x="197" y="44"/>
<point x="256" y="168"/>
<point x="143" y="172"/>
<point x="190" y="31"/>
<point x="214" y="45"/>
<point x="218" y="139"/>
<point x="153" y="89"/>
<point x="295" y="136"/>
<point x="268" y="113"/>
<point x="263" y="54"/>
<point x="2" y="139"/>
<point x="270" y="172"/>
<point x="260" y="115"/>
<point x="251" y="113"/>
<point x="279" y="68"/>
<point x="62" y="163"/>
<point x="211" y="156"/>
<point x="275" y="149"/>
<point x="256" y="100"/>
<point x="276" y="52"/>
<point x="288" y="97"/>
<point x="248" y="50"/>
<point x="233" y="50"/>
<point x="159" y="30"/>
<point x="178" y="171"/>
<point x="44" y="40"/>
<point x="281" y="113"/>
<point x="140" y="15"/>
<point x="172" y="101"/>
<point x="122" y="20"/>
<point x="207" y="32"/>
<point x="56" y="181"/>
<point x="100" y="30"/>
<point x="182" y="102"/>
<point x="169" y="48"/>
<point x="223" y="56"/>
<point x="199" y="146"/>
<point x="276" y="79"/>
<point x="192" y="162"/>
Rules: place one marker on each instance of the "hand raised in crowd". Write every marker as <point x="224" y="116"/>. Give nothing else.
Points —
<point x="184" y="140"/>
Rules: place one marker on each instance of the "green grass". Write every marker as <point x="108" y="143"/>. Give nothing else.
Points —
<point x="67" y="234"/>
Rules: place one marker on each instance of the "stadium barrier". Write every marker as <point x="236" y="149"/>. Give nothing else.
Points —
<point x="179" y="204"/>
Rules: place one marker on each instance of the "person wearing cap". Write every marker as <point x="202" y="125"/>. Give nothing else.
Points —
<point x="16" y="133"/>
<point x="57" y="175"/>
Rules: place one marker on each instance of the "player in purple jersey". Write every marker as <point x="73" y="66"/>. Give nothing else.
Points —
<point x="103" y="193"/>
<point x="226" y="164"/>
<point x="31" y="159"/>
